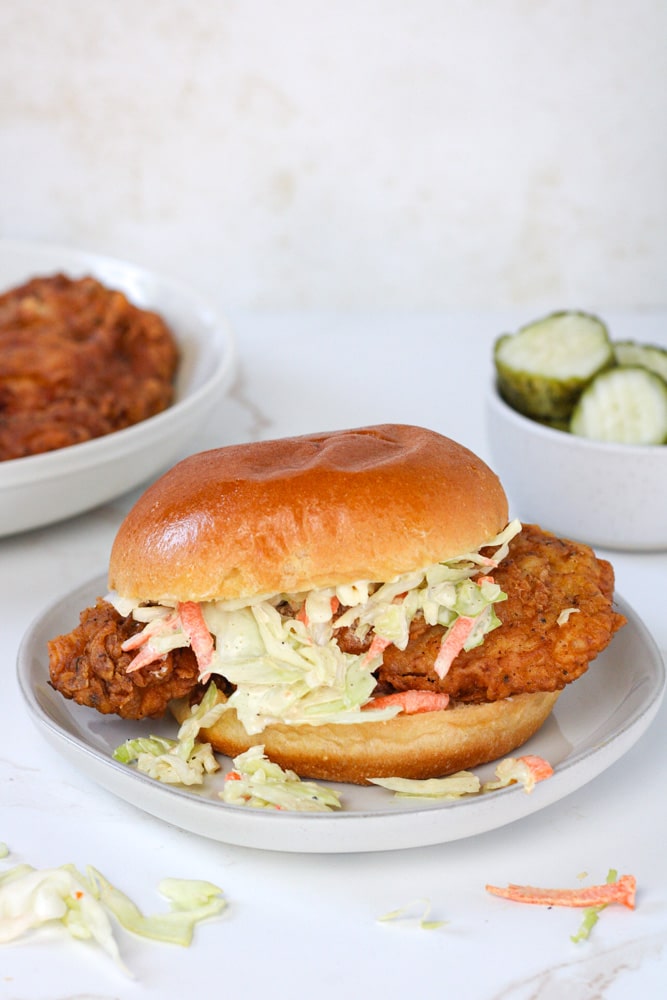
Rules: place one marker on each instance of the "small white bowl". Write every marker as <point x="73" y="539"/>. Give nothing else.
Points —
<point x="41" y="489"/>
<point x="608" y="495"/>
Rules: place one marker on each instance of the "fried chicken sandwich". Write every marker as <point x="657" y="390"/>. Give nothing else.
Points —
<point x="358" y="599"/>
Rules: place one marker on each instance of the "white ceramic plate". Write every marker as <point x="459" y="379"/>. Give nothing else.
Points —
<point x="594" y="723"/>
<point x="41" y="489"/>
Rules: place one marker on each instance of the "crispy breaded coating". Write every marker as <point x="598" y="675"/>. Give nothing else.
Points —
<point x="542" y="576"/>
<point x="77" y="361"/>
<point x="89" y="666"/>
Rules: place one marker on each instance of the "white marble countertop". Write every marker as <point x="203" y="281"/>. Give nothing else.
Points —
<point x="307" y="924"/>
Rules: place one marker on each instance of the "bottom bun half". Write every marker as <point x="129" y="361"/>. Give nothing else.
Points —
<point x="426" y="745"/>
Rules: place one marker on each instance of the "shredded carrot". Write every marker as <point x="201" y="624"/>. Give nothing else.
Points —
<point x="136" y="640"/>
<point x="168" y="624"/>
<point x="527" y="770"/>
<point x="149" y="654"/>
<point x="412" y="702"/>
<point x="452" y="644"/>
<point x="232" y="776"/>
<point x="622" y="891"/>
<point x="197" y="632"/>
<point x="538" y="766"/>
<point x="377" y="646"/>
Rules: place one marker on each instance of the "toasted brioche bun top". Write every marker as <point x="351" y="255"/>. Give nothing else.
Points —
<point x="291" y="515"/>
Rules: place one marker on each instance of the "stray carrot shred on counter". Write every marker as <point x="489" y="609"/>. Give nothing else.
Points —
<point x="622" y="891"/>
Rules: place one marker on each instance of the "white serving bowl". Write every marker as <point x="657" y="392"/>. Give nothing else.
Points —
<point x="41" y="489"/>
<point x="608" y="495"/>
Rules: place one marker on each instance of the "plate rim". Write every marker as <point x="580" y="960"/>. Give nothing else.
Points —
<point x="269" y="830"/>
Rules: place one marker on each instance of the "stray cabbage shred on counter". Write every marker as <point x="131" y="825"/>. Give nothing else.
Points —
<point x="81" y="904"/>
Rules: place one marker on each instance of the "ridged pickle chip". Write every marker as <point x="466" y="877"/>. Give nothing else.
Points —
<point x="626" y="405"/>
<point x="543" y="368"/>
<point x="632" y="354"/>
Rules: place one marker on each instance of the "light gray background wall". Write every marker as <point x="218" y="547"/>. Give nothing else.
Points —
<point x="350" y="154"/>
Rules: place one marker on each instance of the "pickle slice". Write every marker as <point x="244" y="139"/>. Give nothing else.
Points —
<point x="625" y="405"/>
<point x="629" y="352"/>
<point x="544" y="366"/>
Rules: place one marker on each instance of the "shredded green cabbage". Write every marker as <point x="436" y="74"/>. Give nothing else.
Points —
<point x="30" y="898"/>
<point x="407" y="911"/>
<point x="81" y="903"/>
<point x="592" y="913"/>
<point x="191" y="901"/>
<point x="183" y="761"/>
<point x="451" y="787"/>
<point x="258" y="782"/>
<point x="526" y="770"/>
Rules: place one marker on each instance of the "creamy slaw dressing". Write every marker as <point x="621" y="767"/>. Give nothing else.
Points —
<point x="281" y="653"/>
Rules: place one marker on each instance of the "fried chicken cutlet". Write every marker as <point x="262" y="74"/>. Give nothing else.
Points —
<point x="557" y="618"/>
<point x="77" y="361"/>
<point x="544" y="577"/>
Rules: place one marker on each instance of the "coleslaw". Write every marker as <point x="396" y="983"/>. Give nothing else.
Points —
<point x="280" y="651"/>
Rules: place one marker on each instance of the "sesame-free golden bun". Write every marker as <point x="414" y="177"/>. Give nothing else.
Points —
<point x="299" y="513"/>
